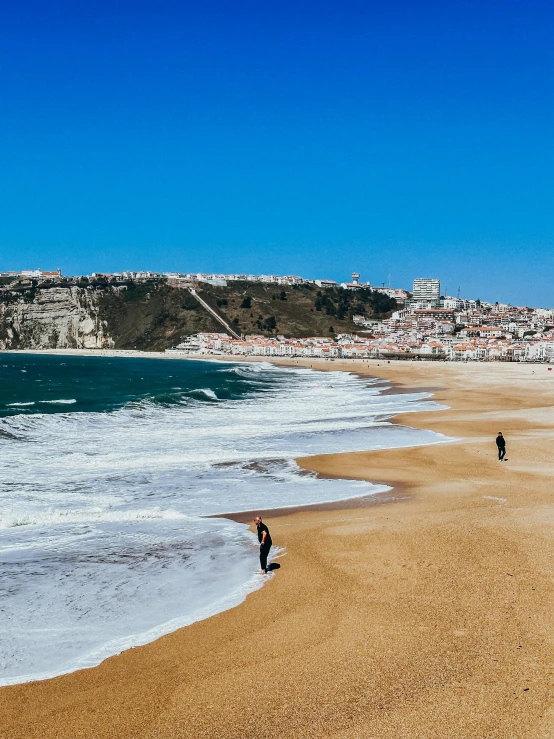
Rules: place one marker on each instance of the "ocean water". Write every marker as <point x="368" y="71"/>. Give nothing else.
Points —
<point x="111" y="467"/>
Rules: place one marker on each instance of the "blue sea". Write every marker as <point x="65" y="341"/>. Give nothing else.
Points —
<point x="110" y="469"/>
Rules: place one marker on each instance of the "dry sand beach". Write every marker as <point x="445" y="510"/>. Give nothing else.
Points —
<point x="430" y="615"/>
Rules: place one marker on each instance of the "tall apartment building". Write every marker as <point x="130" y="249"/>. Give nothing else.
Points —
<point x="426" y="289"/>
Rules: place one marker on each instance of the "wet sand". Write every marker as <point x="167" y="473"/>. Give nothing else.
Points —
<point x="431" y="615"/>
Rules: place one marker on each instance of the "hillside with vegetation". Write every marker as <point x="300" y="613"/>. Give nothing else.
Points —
<point x="297" y="311"/>
<point x="154" y="315"/>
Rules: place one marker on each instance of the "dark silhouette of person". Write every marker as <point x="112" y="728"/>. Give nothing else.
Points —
<point x="264" y="537"/>
<point x="501" y="444"/>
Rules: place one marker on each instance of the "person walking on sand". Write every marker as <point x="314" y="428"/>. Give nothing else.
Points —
<point x="501" y="444"/>
<point x="264" y="537"/>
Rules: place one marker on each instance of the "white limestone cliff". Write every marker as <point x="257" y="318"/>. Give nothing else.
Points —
<point x="56" y="318"/>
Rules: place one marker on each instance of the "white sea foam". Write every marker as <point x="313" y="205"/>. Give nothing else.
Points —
<point x="89" y="515"/>
<point x="103" y="540"/>
<point x="61" y="401"/>
<point x="12" y="405"/>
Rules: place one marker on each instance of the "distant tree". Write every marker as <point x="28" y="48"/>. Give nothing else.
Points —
<point x="318" y="304"/>
<point x="246" y="303"/>
<point x="380" y="303"/>
<point x="222" y="301"/>
<point x="331" y="330"/>
<point x="282" y="295"/>
<point x="270" y="323"/>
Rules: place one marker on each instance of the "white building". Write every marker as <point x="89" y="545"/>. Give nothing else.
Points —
<point x="549" y="352"/>
<point x="351" y="285"/>
<point x="426" y="289"/>
<point x="325" y="283"/>
<point x="452" y="303"/>
<point x="40" y="275"/>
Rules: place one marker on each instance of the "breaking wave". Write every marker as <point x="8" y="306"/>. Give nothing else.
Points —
<point x="104" y="539"/>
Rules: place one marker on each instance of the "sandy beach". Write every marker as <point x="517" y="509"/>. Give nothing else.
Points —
<point x="427" y="613"/>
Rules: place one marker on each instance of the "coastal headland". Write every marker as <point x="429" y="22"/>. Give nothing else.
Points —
<point x="430" y="615"/>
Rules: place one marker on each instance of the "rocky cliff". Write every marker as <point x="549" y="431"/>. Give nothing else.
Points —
<point x="148" y="316"/>
<point x="59" y="317"/>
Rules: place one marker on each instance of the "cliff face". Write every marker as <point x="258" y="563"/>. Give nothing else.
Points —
<point x="57" y="318"/>
<point x="155" y="316"/>
<point x="125" y="316"/>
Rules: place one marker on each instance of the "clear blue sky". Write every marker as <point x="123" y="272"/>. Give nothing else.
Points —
<point x="314" y="138"/>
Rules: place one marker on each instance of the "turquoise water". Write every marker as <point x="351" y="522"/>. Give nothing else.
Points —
<point x="31" y="383"/>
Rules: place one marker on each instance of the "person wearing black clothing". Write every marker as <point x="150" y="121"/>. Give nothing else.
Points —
<point x="264" y="537"/>
<point x="501" y="444"/>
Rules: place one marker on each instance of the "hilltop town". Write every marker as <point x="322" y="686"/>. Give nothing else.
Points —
<point x="242" y="314"/>
<point x="425" y="326"/>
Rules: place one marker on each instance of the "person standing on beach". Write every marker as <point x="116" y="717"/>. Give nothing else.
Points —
<point x="501" y="444"/>
<point x="264" y="537"/>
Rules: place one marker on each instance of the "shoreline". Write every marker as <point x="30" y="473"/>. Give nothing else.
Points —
<point x="383" y="495"/>
<point x="440" y="605"/>
<point x="386" y="497"/>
